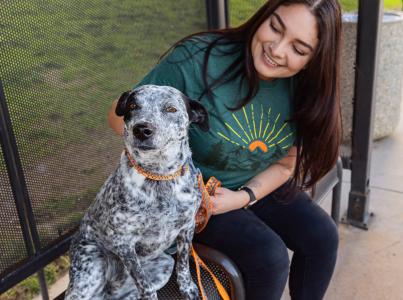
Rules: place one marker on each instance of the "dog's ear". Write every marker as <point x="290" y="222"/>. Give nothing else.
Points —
<point x="121" y="107"/>
<point x="198" y="114"/>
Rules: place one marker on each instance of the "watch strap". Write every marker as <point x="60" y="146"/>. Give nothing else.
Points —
<point x="252" y="197"/>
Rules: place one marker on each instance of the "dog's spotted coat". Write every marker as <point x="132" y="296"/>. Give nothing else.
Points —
<point x="118" y="252"/>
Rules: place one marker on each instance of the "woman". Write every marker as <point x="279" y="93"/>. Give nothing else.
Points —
<point x="271" y="89"/>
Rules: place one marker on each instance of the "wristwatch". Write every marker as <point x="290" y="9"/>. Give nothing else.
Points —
<point x="252" y="197"/>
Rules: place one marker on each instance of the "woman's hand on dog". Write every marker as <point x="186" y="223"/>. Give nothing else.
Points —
<point x="225" y="200"/>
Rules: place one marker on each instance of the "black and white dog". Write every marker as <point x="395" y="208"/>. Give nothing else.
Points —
<point x="118" y="252"/>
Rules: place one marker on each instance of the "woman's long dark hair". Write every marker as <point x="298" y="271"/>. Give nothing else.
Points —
<point x="317" y="113"/>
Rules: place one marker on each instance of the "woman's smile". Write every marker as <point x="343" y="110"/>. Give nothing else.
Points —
<point x="270" y="62"/>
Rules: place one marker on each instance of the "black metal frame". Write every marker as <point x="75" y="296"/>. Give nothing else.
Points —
<point x="331" y="182"/>
<point x="35" y="263"/>
<point x="21" y="197"/>
<point x="369" y="15"/>
<point x="217" y="12"/>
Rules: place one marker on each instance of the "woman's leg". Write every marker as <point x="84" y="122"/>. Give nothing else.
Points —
<point x="309" y="231"/>
<point x="257" y="251"/>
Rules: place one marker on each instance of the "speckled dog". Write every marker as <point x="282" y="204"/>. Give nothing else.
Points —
<point x="133" y="218"/>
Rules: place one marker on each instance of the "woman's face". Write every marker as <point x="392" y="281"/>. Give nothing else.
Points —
<point x="285" y="42"/>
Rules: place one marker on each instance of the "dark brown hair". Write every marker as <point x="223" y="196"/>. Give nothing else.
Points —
<point x="316" y="97"/>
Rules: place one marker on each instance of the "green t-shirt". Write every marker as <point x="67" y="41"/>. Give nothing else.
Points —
<point x="240" y="144"/>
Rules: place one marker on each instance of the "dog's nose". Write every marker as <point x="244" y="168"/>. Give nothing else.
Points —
<point x="143" y="131"/>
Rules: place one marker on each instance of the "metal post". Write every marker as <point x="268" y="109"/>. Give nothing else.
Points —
<point x="7" y="145"/>
<point x="336" y="197"/>
<point x="369" y="18"/>
<point x="217" y="14"/>
<point x="19" y="186"/>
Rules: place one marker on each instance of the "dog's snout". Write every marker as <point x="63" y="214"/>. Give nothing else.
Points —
<point x="143" y="131"/>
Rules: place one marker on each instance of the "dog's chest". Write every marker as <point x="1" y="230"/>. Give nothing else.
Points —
<point x="157" y="205"/>
<point x="149" y="213"/>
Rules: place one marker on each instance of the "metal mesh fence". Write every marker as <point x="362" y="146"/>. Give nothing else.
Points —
<point x="171" y="291"/>
<point x="12" y="246"/>
<point x="240" y="10"/>
<point x="62" y="63"/>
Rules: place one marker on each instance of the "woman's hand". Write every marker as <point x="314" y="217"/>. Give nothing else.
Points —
<point x="226" y="200"/>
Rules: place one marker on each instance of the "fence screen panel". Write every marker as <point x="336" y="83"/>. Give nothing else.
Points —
<point x="12" y="246"/>
<point x="62" y="63"/>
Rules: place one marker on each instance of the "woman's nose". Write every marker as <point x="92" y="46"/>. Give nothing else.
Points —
<point x="277" y="49"/>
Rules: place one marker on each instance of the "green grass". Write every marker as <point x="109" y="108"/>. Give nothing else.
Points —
<point x="61" y="64"/>
<point x="64" y="62"/>
<point x="352" y="5"/>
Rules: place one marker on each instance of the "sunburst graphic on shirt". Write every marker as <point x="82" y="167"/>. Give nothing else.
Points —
<point x="257" y="131"/>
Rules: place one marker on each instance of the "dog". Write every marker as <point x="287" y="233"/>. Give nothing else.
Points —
<point x="118" y="251"/>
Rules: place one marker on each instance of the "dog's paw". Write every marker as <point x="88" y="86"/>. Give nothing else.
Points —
<point x="191" y="292"/>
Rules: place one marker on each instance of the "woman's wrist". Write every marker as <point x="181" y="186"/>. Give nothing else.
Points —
<point x="243" y="198"/>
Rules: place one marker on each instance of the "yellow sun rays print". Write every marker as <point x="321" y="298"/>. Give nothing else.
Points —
<point x="257" y="131"/>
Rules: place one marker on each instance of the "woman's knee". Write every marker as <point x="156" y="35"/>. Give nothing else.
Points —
<point x="324" y="238"/>
<point x="314" y="230"/>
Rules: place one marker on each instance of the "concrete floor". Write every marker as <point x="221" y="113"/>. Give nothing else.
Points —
<point x="370" y="263"/>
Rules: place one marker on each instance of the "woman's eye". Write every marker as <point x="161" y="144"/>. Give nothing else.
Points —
<point x="171" y="109"/>
<point x="299" y="52"/>
<point x="274" y="28"/>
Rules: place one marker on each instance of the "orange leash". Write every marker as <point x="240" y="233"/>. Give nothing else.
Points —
<point x="203" y="215"/>
<point x="206" y="207"/>
<point x="221" y="290"/>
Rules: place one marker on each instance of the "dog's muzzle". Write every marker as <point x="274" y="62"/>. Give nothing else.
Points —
<point x="143" y="131"/>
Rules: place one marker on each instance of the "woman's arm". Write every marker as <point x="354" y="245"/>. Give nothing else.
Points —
<point x="115" y="122"/>
<point x="262" y="184"/>
<point x="274" y="176"/>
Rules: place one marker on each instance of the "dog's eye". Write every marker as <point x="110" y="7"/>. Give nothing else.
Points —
<point x="133" y="106"/>
<point x="171" y="109"/>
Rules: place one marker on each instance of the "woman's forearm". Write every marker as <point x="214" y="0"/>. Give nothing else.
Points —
<point x="115" y="122"/>
<point x="262" y="184"/>
<point x="273" y="177"/>
<point x="269" y="180"/>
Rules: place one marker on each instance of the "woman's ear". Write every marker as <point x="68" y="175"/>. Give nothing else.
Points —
<point x="121" y="107"/>
<point x="198" y="114"/>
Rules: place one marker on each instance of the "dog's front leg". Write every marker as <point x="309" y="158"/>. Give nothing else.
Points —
<point x="186" y="285"/>
<point x="130" y="260"/>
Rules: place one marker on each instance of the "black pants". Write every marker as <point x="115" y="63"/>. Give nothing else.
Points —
<point x="257" y="240"/>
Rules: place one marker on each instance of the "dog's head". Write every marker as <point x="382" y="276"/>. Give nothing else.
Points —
<point x="156" y="116"/>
